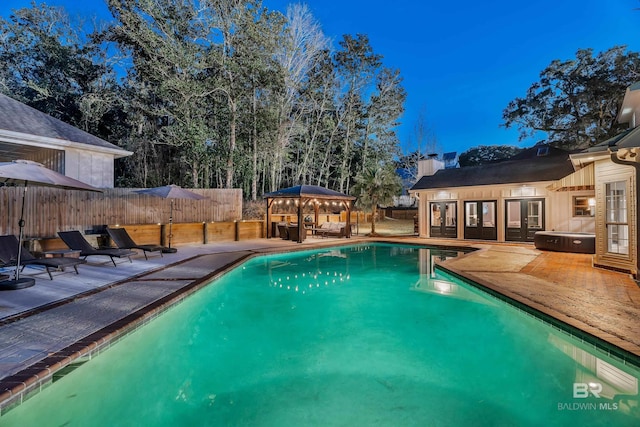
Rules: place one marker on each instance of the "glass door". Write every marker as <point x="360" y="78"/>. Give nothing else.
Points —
<point x="443" y="219"/>
<point x="480" y="220"/>
<point x="523" y="218"/>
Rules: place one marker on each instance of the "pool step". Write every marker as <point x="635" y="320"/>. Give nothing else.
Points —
<point x="67" y="370"/>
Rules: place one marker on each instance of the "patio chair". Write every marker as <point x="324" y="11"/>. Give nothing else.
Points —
<point x="123" y="240"/>
<point x="296" y="234"/>
<point x="76" y="241"/>
<point x="9" y="251"/>
<point x="283" y="231"/>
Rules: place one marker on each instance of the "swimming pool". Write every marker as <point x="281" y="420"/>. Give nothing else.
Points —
<point x="356" y="335"/>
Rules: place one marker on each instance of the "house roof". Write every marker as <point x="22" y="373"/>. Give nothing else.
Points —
<point x="527" y="166"/>
<point x="18" y="119"/>
<point x="629" y="138"/>
<point x="630" y="105"/>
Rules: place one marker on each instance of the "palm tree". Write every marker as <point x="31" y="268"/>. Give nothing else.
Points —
<point x="375" y="186"/>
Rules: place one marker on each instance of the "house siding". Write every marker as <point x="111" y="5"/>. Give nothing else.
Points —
<point x="95" y="169"/>
<point x="561" y="212"/>
<point x="558" y="206"/>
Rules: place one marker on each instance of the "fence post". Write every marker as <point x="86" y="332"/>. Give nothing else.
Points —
<point x="205" y="228"/>
<point x="163" y="235"/>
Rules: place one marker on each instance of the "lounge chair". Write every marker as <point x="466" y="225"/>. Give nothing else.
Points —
<point x="76" y="241"/>
<point x="123" y="240"/>
<point x="9" y="251"/>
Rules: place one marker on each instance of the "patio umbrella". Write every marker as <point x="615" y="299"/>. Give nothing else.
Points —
<point x="171" y="192"/>
<point x="26" y="172"/>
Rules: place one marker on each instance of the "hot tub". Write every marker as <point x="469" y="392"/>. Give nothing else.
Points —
<point x="565" y="241"/>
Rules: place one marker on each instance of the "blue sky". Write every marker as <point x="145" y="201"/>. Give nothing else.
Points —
<point x="463" y="61"/>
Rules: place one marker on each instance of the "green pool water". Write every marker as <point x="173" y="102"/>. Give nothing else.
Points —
<point x="351" y="336"/>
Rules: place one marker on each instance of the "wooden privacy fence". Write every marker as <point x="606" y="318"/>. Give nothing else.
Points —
<point x="49" y="210"/>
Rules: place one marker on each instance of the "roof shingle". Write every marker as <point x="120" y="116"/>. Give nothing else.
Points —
<point x="527" y="166"/>
<point x="21" y="118"/>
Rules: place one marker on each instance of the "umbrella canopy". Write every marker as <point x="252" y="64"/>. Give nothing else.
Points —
<point x="25" y="172"/>
<point x="21" y="172"/>
<point x="171" y="192"/>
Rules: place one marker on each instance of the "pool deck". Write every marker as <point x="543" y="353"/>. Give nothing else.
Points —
<point x="72" y="318"/>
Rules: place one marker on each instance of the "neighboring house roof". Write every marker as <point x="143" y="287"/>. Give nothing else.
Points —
<point x="527" y="166"/>
<point x="20" y="123"/>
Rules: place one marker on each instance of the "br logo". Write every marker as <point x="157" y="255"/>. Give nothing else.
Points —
<point x="582" y="390"/>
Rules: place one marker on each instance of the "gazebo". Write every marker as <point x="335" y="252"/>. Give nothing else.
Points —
<point x="303" y="195"/>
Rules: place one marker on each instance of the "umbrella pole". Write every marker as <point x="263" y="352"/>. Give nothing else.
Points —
<point x="169" y="249"/>
<point x="170" y="223"/>
<point x="17" y="282"/>
<point x="21" y="233"/>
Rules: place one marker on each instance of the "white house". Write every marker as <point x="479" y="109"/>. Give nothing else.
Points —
<point x="543" y="188"/>
<point x="26" y="133"/>
<point x="503" y="201"/>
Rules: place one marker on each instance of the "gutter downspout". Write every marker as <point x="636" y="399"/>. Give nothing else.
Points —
<point x="636" y="166"/>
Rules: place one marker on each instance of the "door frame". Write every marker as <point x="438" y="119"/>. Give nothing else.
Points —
<point x="480" y="228"/>
<point x="523" y="232"/>
<point x="448" y="226"/>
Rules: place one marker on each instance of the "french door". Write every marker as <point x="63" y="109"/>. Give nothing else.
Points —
<point x="443" y="219"/>
<point x="480" y="220"/>
<point x="523" y="218"/>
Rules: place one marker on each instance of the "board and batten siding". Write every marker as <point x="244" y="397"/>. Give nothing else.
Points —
<point x="49" y="210"/>
<point x="558" y="205"/>
<point x="606" y="172"/>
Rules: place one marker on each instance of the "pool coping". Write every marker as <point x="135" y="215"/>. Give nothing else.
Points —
<point x="17" y="388"/>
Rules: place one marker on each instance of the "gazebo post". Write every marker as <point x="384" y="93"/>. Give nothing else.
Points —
<point x="300" y="223"/>
<point x="347" y="206"/>
<point x="269" y="228"/>
<point x="316" y="214"/>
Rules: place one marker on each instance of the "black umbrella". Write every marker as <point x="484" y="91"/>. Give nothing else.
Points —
<point x="171" y="192"/>
<point x="25" y="172"/>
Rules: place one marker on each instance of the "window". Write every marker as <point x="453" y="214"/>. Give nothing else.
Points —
<point x="471" y="214"/>
<point x="534" y="214"/>
<point x="436" y="216"/>
<point x="616" y="218"/>
<point x="513" y="214"/>
<point x="488" y="214"/>
<point x="584" y="206"/>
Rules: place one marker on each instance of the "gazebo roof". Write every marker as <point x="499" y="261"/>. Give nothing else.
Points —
<point x="308" y="191"/>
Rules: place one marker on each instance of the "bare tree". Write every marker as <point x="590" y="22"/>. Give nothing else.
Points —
<point x="304" y="42"/>
<point x="423" y="141"/>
